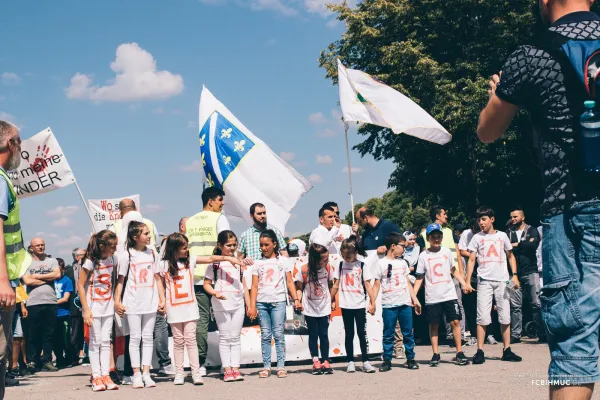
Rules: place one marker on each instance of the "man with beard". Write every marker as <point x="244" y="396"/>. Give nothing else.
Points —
<point x="13" y="257"/>
<point x="525" y="240"/>
<point x="249" y="246"/>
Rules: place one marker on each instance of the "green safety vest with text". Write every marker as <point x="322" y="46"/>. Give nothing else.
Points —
<point x="201" y="231"/>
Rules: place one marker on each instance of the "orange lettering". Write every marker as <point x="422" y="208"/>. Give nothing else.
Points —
<point x="435" y="267"/>
<point x="143" y="276"/>
<point x="103" y="279"/>
<point x="269" y="276"/>
<point x="349" y="281"/>
<point x="491" y="250"/>
<point x="179" y="285"/>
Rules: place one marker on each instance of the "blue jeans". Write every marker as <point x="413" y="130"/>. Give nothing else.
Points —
<point x="570" y="297"/>
<point x="402" y="314"/>
<point x="272" y="321"/>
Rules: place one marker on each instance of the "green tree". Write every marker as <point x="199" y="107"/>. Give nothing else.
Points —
<point x="441" y="54"/>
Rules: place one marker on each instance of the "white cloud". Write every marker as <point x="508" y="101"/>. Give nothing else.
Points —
<point x="284" y="7"/>
<point x="317" y="118"/>
<point x="136" y="79"/>
<point x="151" y="208"/>
<point x="355" y="170"/>
<point x="327" y="133"/>
<point x="62" y="211"/>
<point x="300" y="163"/>
<point x="158" y="110"/>
<point x="72" y="241"/>
<point x="323" y="159"/>
<point x="4" y="116"/>
<point x="62" y="222"/>
<point x="195" y="166"/>
<point x="314" y="178"/>
<point x="9" y="78"/>
<point x="287" y="156"/>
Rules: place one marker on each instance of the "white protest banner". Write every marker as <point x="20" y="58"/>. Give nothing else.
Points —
<point x="43" y="166"/>
<point x="105" y="212"/>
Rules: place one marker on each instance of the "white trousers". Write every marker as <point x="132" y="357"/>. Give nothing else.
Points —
<point x="230" y="326"/>
<point x="141" y="330"/>
<point x="99" y="349"/>
<point x="488" y="291"/>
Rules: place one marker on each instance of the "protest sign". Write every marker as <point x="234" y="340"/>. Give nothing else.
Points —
<point x="43" y="166"/>
<point x="105" y="212"/>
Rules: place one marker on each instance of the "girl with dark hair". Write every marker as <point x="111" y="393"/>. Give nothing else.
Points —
<point x="271" y="280"/>
<point x="355" y="298"/>
<point x="229" y="292"/>
<point x="144" y="295"/>
<point x="314" y="284"/>
<point x="177" y="271"/>
<point x="95" y="289"/>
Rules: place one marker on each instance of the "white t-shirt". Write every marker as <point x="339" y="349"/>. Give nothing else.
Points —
<point x="316" y="297"/>
<point x="180" y="297"/>
<point x="437" y="268"/>
<point x="491" y="256"/>
<point x="352" y="293"/>
<point x="99" y="288"/>
<point x="141" y="293"/>
<point x="320" y="235"/>
<point x="394" y="290"/>
<point x="346" y="232"/>
<point x="272" y="280"/>
<point x="229" y="283"/>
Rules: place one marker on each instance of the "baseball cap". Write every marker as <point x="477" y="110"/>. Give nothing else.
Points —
<point x="433" y="228"/>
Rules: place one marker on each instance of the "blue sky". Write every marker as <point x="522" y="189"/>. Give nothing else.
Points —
<point x="258" y="57"/>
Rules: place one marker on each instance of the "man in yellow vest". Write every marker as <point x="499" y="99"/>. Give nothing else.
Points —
<point x="202" y="231"/>
<point x="439" y="216"/>
<point x="14" y="259"/>
<point x="128" y="205"/>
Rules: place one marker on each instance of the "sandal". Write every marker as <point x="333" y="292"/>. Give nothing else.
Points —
<point x="265" y="373"/>
<point x="282" y="373"/>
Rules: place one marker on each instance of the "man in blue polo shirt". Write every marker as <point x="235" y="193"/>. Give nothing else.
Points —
<point x="375" y="230"/>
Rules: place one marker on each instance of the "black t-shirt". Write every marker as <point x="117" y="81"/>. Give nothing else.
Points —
<point x="533" y="79"/>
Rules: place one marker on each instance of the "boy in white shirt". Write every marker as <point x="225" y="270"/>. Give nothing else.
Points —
<point x="491" y="249"/>
<point x="397" y="300"/>
<point x="437" y="268"/>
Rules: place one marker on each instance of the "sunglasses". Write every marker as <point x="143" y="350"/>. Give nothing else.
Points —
<point x="389" y="271"/>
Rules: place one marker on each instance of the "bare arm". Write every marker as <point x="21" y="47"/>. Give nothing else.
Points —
<point x="161" y="293"/>
<point x="213" y="259"/>
<point x="84" y="276"/>
<point x="335" y="287"/>
<point x="466" y="254"/>
<point x="254" y="291"/>
<point x="64" y="299"/>
<point x="413" y="297"/>
<point x="459" y="277"/>
<point x="52" y="276"/>
<point x="119" y="307"/>
<point x="376" y="287"/>
<point x="30" y="281"/>
<point x="495" y="119"/>
<point x="418" y="284"/>
<point x="461" y="268"/>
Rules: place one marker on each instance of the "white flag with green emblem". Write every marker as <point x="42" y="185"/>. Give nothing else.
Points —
<point x="365" y="99"/>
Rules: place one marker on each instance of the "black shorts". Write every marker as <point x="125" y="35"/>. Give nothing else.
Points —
<point x="435" y="311"/>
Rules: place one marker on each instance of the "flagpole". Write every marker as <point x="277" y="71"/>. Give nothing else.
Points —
<point x="85" y="205"/>
<point x="349" y="169"/>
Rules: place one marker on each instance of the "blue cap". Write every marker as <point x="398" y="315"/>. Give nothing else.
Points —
<point x="433" y="228"/>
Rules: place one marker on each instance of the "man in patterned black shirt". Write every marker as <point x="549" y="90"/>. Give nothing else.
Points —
<point x="534" y="80"/>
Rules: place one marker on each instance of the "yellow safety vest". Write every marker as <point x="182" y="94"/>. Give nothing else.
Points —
<point x="447" y="241"/>
<point x="148" y="223"/>
<point x="17" y="258"/>
<point x="201" y="231"/>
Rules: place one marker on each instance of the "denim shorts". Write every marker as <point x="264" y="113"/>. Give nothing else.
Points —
<point x="570" y="297"/>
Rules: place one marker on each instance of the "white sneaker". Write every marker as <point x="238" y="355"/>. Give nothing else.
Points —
<point x="351" y="367"/>
<point x="400" y="353"/>
<point x="368" y="368"/>
<point x="197" y="379"/>
<point x="127" y="380"/>
<point x="167" y="370"/>
<point x="203" y="371"/>
<point x="137" y="382"/>
<point x="148" y="381"/>
<point x="179" y="379"/>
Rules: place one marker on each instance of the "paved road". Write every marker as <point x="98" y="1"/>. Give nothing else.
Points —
<point x="492" y="380"/>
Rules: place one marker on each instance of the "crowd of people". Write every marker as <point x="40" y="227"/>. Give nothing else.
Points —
<point x="129" y="288"/>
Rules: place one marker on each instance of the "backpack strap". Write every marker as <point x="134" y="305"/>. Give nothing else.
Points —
<point x="340" y="273"/>
<point x="362" y="278"/>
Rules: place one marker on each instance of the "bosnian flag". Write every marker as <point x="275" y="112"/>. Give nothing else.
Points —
<point x="245" y="167"/>
<point x="365" y="99"/>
